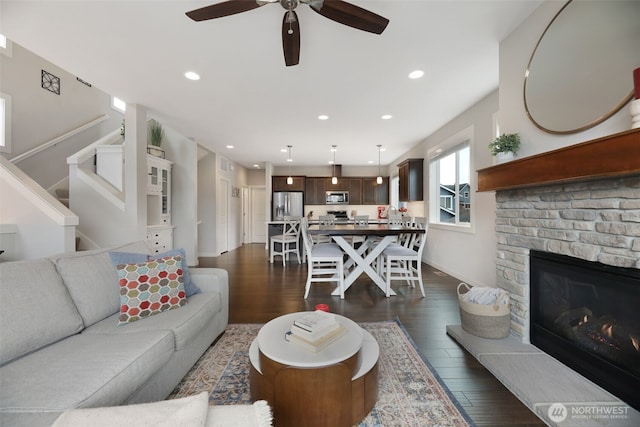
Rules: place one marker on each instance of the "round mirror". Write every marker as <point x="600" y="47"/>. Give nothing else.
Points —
<point x="581" y="70"/>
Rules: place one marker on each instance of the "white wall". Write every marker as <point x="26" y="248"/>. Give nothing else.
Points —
<point x="515" y="51"/>
<point x="467" y="255"/>
<point x="183" y="152"/>
<point x="207" y="205"/>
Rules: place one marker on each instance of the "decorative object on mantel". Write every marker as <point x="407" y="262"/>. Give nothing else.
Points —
<point x="505" y="147"/>
<point x="156" y="133"/>
<point x="635" y="104"/>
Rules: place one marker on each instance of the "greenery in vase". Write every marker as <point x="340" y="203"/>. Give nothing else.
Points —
<point x="156" y="133"/>
<point x="505" y="143"/>
<point x="122" y="129"/>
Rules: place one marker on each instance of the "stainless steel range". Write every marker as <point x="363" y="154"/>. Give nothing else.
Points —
<point x="341" y="216"/>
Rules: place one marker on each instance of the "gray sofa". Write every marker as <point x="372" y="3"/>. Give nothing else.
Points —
<point x="61" y="346"/>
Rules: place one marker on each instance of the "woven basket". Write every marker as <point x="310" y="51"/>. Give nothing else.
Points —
<point x="485" y="321"/>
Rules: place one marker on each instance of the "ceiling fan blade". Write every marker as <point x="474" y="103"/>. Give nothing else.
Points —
<point x="351" y="15"/>
<point x="226" y="8"/>
<point x="291" y="38"/>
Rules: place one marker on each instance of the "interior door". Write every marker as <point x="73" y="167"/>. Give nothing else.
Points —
<point x="222" y="229"/>
<point x="258" y="215"/>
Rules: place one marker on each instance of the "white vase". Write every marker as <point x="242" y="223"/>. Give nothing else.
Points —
<point x="504" y="157"/>
<point x="155" y="151"/>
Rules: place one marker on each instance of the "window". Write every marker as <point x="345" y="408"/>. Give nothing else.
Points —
<point x="118" y="104"/>
<point x="5" y="46"/>
<point x="5" y="123"/>
<point x="450" y="181"/>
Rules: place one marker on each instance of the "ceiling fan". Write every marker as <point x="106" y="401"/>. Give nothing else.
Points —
<point x="336" y="10"/>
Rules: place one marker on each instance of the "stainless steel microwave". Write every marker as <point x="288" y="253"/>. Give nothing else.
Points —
<point x="337" y="198"/>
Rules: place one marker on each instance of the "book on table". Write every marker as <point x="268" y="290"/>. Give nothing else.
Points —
<point x="315" y="345"/>
<point x="315" y="321"/>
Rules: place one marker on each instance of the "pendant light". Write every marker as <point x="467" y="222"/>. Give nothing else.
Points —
<point x="334" y="178"/>
<point x="379" y="178"/>
<point x="289" y="160"/>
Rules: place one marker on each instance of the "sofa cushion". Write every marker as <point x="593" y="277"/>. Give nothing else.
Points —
<point x="150" y="287"/>
<point x="36" y="308"/>
<point x="118" y="258"/>
<point x="92" y="281"/>
<point x="185" y="324"/>
<point x="82" y="371"/>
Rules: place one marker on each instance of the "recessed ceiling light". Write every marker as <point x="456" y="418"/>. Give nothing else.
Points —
<point x="323" y="117"/>
<point x="416" y="74"/>
<point x="256" y="166"/>
<point x="283" y="150"/>
<point x="191" y="75"/>
<point x="386" y="116"/>
<point x="369" y="161"/>
<point x="229" y="146"/>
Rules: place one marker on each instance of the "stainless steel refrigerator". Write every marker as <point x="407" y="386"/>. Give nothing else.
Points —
<point x="287" y="203"/>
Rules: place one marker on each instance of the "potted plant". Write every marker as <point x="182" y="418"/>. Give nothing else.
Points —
<point x="156" y="133"/>
<point x="505" y="147"/>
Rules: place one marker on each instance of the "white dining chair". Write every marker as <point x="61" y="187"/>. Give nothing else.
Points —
<point x="404" y="263"/>
<point x="325" y="220"/>
<point x="288" y="241"/>
<point x="359" y="221"/>
<point x="325" y="262"/>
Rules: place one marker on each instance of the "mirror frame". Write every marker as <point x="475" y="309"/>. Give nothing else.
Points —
<point x="589" y="125"/>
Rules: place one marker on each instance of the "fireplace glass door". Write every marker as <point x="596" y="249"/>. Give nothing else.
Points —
<point x="587" y="315"/>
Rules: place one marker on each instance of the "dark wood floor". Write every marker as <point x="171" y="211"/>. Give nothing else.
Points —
<point x="260" y="291"/>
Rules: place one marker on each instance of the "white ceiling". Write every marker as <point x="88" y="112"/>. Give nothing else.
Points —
<point x="139" y="50"/>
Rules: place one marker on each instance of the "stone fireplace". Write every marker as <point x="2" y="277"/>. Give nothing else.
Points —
<point x="592" y="220"/>
<point x="576" y="213"/>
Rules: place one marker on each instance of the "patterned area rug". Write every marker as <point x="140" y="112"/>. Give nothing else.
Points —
<point x="410" y="391"/>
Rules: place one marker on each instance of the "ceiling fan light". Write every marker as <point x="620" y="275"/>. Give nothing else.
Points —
<point x="379" y="180"/>
<point x="291" y="17"/>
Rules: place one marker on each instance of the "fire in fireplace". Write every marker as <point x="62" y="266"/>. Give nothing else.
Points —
<point x="587" y="315"/>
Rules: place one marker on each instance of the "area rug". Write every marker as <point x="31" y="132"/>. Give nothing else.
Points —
<point x="410" y="391"/>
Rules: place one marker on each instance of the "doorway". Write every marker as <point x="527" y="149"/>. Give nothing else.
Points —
<point x="222" y="213"/>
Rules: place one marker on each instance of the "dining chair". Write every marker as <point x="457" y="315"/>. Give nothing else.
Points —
<point x="359" y="221"/>
<point x="288" y="241"/>
<point x="401" y="262"/>
<point x="325" y="262"/>
<point x="325" y="220"/>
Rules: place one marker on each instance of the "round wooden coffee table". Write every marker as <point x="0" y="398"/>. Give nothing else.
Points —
<point x="337" y="386"/>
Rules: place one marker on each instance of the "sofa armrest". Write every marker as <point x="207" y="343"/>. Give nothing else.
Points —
<point x="212" y="280"/>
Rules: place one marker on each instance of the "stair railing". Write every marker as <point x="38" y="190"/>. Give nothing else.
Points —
<point x="58" y="139"/>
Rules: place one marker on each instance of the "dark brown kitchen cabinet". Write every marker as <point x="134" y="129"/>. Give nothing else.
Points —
<point x="355" y="190"/>
<point x="279" y="183"/>
<point x="314" y="193"/>
<point x="411" y="178"/>
<point x="374" y="193"/>
<point x="341" y="185"/>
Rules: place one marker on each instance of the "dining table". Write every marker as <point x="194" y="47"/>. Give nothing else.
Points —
<point x="377" y="238"/>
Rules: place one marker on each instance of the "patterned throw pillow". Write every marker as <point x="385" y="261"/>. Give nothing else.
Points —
<point x="150" y="287"/>
<point x="118" y="258"/>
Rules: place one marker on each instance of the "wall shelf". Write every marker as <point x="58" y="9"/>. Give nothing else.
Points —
<point x="612" y="156"/>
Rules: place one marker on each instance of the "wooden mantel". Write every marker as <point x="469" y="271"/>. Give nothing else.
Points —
<point x="612" y="156"/>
